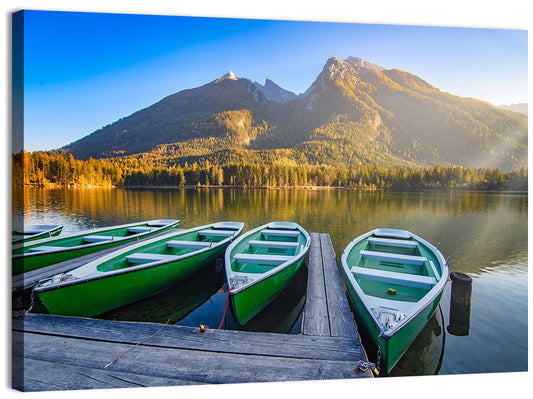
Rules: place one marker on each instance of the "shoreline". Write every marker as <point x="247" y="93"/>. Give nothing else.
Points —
<point x="307" y="188"/>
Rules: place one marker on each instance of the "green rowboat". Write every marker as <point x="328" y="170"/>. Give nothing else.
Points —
<point x="37" y="254"/>
<point x="261" y="263"/>
<point x="35" y="232"/>
<point x="135" y="272"/>
<point x="395" y="281"/>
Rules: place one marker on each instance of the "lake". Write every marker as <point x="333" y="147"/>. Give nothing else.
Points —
<point x="483" y="234"/>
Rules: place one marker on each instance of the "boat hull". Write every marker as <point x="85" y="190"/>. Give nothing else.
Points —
<point x="248" y="303"/>
<point x="135" y="272"/>
<point x="23" y="262"/>
<point x="24" y="236"/>
<point x="98" y="296"/>
<point x="392" y="347"/>
<point x="394" y="280"/>
<point x="261" y="263"/>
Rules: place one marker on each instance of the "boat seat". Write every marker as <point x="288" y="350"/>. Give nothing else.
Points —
<point x="395" y="258"/>
<point x="262" y="259"/>
<point x="188" y="244"/>
<point x="95" y="238"/>
<point x="391" y="233"/>
<point x="434" y="269"/>
<point x="227" y="226"/>
<point x="216" y="233"/>
<point x="160" y="223"/>
<point x="383" y="276"/>
<point x="273" y="244"/>
<point x="137" y="230"/>
<point x="45" y="248"/>
<point x="388" y="242"/>
<point x="280" y="233"/>
<point x="283" y="225"/>
<point x="148" y="258"/>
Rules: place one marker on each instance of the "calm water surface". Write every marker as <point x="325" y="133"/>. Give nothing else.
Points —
<point x="485" y="236"/>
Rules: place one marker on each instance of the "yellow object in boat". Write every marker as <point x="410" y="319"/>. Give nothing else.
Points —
<point x="392" y="291"/>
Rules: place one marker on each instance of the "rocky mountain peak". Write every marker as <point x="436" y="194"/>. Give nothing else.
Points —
<point x="361" y="63"/>
<point x="333" y="69"/>
<point x="229" y="76"/>
<point x="270" y="83"/>
<point x="274" y="92"/>
<point x="352" y="69"/>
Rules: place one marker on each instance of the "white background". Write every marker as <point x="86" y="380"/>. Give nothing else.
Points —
<point x="509" y="14"/>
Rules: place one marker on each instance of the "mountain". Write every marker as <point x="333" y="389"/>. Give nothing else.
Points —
<point x="355" y="112"/>
<point x="520" y="107"/>
<point x="275" y="93"/>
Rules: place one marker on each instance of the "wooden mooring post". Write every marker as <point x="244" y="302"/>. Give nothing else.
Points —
<point x="68" y="353"/>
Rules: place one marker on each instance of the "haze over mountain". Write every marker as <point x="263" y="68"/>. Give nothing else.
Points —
<point x="355" y="112"/>
<point x="520" y="107"/>
<point x="275" y="93"/>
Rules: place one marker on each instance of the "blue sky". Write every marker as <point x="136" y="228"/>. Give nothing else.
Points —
<point x="83" y="71"/>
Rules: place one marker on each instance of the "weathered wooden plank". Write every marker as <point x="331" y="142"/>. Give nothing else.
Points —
<point x="284" y="345"/>
<point x="316" y="312"/>
<point x="341" y="320"/>
<point x="43" y="375"/>
<point x="52" y="372"/>
<point x="183" y="365"/>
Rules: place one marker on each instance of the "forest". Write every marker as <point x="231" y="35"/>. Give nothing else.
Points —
<point x="63" y="170"/>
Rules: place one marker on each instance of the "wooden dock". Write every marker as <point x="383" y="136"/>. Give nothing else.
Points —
<point x="68" y="353"/>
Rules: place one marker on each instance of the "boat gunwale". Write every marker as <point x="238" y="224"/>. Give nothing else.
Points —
<point x="142" y="266"/>
<point x="421" y="304"/>
<point x="38" y="229"/>
<point x="263" y="276"/>
<point x="19" y="237"/>
<point x="46" y="240"/>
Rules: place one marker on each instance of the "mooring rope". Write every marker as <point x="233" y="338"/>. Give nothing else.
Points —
<point x="134" y="346"/>
<point x="225" y="309"/>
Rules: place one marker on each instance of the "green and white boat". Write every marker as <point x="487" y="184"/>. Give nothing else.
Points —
<point x="261" y="263"/>
<point x="37" y="254"/>
<point x="35" y="232"/>
<point x="395" y="281"/>
<point x="135" y="272"/>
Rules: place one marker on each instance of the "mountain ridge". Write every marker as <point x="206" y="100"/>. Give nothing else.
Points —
<point x="520" y="107"/>
<point x="274" y="92"/>
<point x="355" y="112"/>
